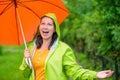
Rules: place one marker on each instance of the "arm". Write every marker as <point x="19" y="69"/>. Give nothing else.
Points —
<point x="72" y="69"/>
<point x="24" y="64"/>
<point x="26" y="55"/>
<point x="75" y="71"/>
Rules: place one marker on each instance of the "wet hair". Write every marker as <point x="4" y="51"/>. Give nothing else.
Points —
<point x="38" y="38"/>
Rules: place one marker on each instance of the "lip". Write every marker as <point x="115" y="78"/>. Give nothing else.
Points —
<point x="45" y="33"/>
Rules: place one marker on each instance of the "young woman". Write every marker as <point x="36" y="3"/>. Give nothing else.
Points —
<point x="53" y="59"/>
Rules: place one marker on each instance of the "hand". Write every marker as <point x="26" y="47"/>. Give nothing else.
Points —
<point x="104" y="74"/>
<point x="26" y="53"/>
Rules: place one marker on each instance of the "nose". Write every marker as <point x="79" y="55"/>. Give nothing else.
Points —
<point x="45" y="26"/>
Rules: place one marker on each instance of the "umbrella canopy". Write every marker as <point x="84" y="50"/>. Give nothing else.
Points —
<point x="20" y="18"/>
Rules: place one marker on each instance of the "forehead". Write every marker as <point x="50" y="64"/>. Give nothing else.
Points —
<point x="46" y="19"/>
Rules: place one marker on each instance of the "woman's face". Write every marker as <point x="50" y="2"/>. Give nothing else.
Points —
<point x="47" y="28"/>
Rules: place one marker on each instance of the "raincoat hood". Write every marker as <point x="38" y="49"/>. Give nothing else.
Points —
<point x="53" y="16"/>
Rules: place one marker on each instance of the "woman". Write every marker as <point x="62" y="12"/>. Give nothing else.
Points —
<point x="52" y="59"/>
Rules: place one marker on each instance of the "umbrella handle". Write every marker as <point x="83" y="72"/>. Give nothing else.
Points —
<point x="28" y="61"/>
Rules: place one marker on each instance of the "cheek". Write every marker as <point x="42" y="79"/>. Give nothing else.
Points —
<point x="40" y="29"/>
<point x="53" y="29"/>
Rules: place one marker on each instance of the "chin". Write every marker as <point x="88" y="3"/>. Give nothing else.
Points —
<point x="46" y="38"/>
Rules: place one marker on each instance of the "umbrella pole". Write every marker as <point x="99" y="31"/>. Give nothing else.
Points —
<point x="28" y="60"/>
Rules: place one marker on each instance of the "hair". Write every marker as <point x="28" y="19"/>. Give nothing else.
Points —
<point x="38" y="38"/>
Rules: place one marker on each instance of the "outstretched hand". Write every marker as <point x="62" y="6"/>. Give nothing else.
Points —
<point x="104" y="74"/>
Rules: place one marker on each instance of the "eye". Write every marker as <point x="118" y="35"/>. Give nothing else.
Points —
<point x="50" y="24"/>
<point x="42" y="23"/>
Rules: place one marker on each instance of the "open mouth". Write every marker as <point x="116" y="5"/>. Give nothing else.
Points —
<point x="45" y="33"/>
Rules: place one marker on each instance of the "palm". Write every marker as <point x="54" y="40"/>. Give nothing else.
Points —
<point x="104" y="74"/>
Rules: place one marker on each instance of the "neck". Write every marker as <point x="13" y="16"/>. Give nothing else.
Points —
<point x="46" y="43"/>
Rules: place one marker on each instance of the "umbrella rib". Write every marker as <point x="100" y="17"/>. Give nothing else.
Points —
<point x="4" y="2"/>
<point x="53" y="4"/>
<point x="28" y="8"/>
<point x="46" y="2"/>
<point x="6" y="8"/>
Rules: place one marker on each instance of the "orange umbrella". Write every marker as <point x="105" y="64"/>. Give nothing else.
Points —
<point x="19" y="18"/>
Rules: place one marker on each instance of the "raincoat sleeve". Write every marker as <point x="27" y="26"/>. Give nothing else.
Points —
<point x="75" y="71"/>
<point x="24" y="65"/>
<point x="30" y="48"/>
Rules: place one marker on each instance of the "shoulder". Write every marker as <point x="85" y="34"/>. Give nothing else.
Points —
<point x="64" y="46"/>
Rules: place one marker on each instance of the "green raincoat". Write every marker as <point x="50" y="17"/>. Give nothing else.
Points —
<point x="61" y="63"/>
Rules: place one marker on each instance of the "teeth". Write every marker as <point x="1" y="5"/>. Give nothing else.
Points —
<point x="45" y="31"/>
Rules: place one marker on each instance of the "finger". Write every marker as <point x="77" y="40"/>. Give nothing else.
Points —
<point x="107" y="71"/>
<point x="110" y="74"/>
<point x="26" y="51"/>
